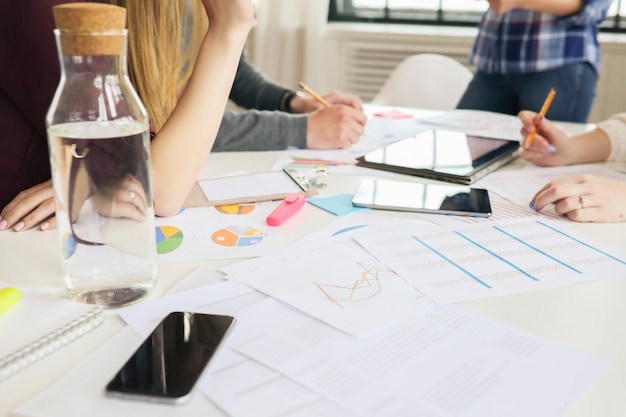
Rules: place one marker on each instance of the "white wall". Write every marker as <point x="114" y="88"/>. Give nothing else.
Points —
<point x="285" y="42"/>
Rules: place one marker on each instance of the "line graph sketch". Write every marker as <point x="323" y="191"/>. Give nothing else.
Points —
<point x="365" y="287"/>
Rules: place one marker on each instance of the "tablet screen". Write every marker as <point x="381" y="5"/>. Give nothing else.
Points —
<point x="428" y="198"/>
<point x="443" y="151"/>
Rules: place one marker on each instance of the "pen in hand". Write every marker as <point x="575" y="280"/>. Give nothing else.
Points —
<point x="540" y="116"/>
<point x="313" y="94"/>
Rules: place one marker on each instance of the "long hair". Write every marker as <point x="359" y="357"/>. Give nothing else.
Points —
<point x="163" y="40"/>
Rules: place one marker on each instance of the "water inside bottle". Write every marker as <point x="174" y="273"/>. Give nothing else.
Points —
<point x="105" y="211"/>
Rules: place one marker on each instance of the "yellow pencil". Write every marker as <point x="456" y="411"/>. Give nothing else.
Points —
<point x="313" y="94"/>
<point x="541" y="115"/>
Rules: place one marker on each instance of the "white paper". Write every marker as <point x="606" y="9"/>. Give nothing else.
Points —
<point x="492" y="259"/>
<point x="249" y="185"/>
<point x="239" y="386"/>
<point x="217" y="232"/>
<point x="501" y="208"/>
<point x="521" y="185"/>
<point x="335" y="280"/>
<point x="478" y="123"/>
<point x="449" y="362"/>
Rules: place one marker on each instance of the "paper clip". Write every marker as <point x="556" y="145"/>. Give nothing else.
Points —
<point x="307" y="180"/>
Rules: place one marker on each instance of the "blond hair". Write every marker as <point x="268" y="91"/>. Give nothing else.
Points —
<point x="163" y="40"/>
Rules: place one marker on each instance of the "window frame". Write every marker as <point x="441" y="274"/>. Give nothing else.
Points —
<point x="440" y="17"/>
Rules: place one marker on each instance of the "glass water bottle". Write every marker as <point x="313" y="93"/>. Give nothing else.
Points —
<point x="99" y="143"/>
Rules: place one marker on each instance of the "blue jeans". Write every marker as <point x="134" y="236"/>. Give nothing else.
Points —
<point x="575" y="86"/>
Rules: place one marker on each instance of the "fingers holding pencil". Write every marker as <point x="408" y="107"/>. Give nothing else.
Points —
<point x="548" y="139"/>
<point x="333" y="98"/>
<point x="540" y="117"/>
<point x="313" y="94"/>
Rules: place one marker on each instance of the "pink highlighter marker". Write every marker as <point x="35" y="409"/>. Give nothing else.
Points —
<point x="292" y="203"/>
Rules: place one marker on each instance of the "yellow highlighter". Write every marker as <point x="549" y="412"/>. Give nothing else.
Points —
<point x="8" y="297"/>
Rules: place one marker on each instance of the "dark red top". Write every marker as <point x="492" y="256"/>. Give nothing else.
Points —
<point x="29" y="76"/>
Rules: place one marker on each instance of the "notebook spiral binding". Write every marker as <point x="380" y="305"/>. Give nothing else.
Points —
<point x="53" y="341"/>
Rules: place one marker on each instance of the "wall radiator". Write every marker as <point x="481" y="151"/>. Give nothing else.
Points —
<point x="365" y="61"/>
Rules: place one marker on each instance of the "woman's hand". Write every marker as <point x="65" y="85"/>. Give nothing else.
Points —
<point x="584" y="198"/>
<point x="122" y="199"/>
<point x="550" y="145"/>
<point x="335" y="127"/>
<point x="29" y="208"/>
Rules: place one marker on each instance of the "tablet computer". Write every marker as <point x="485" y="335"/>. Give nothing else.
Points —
<point x="443" y="155"/>
<point x="454" y="199"/>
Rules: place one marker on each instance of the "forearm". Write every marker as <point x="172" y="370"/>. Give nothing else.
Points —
<point x="555" y="7"/>
<point x="186" y="138"/>
<point x="251" y="90"/>
<point x="615" y="130"/>
<point x="254" y="130"/>
<point x="593" y="146"/>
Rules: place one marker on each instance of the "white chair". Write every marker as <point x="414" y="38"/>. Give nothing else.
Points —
<point x="427" y="81"/>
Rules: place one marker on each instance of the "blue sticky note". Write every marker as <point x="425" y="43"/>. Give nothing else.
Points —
<point x="338" y="204"/>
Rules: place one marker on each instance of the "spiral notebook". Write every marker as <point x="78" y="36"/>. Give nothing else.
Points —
<point x="37" y="325"/>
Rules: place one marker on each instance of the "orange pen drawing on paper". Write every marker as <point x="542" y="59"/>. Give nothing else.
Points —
<point x="364" y="288"/>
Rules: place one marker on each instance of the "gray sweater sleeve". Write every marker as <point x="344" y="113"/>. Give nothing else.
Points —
<point x="255" y="130"/>
<point x="263" y="127"/>
<point x="251" y="90"/>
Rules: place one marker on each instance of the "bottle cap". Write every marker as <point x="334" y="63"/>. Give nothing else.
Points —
<point x="90" y="28"/>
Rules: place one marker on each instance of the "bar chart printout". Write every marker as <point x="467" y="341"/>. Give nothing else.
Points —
<point x="448" y="362"/>
<point x="492" y="259"/>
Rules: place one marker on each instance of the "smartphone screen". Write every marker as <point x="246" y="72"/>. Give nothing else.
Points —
<point x="168" y="363"/>
<point x="428" y="198"/>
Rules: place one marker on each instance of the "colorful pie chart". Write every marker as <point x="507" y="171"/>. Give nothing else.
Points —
<point x="238" y="236"/>
<point x="168" y="238"/>
<point x="236" y="209"/>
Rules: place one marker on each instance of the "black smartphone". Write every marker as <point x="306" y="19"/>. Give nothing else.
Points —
<point x="419" y="197"/>
<point x="168" y="363"/>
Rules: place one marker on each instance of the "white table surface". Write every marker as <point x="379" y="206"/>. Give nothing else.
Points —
<point x="588" y="316"/>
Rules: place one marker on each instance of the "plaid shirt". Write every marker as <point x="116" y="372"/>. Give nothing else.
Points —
<point x="522" y="41"/>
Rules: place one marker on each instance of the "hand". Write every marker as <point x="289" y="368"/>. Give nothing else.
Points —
<point x="335" y="127"/>
<point x="584" y="198"/>
<point x="345" y="99"/>
<point x="30" y="207"/>
<point x="301" y="104"/>
<point x="123" y="199"/>
<point x="550" y="144"/>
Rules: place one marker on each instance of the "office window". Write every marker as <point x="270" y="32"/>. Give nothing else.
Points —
<point x="438" y="12"/>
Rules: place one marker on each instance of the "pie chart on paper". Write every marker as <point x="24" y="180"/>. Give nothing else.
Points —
<point x="238" y="236"/>
<point x="236" y="209"/>
<point x="168" y="238"/>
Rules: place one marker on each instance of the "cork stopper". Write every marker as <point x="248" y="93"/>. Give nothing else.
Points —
<point x="90" y="28"/>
